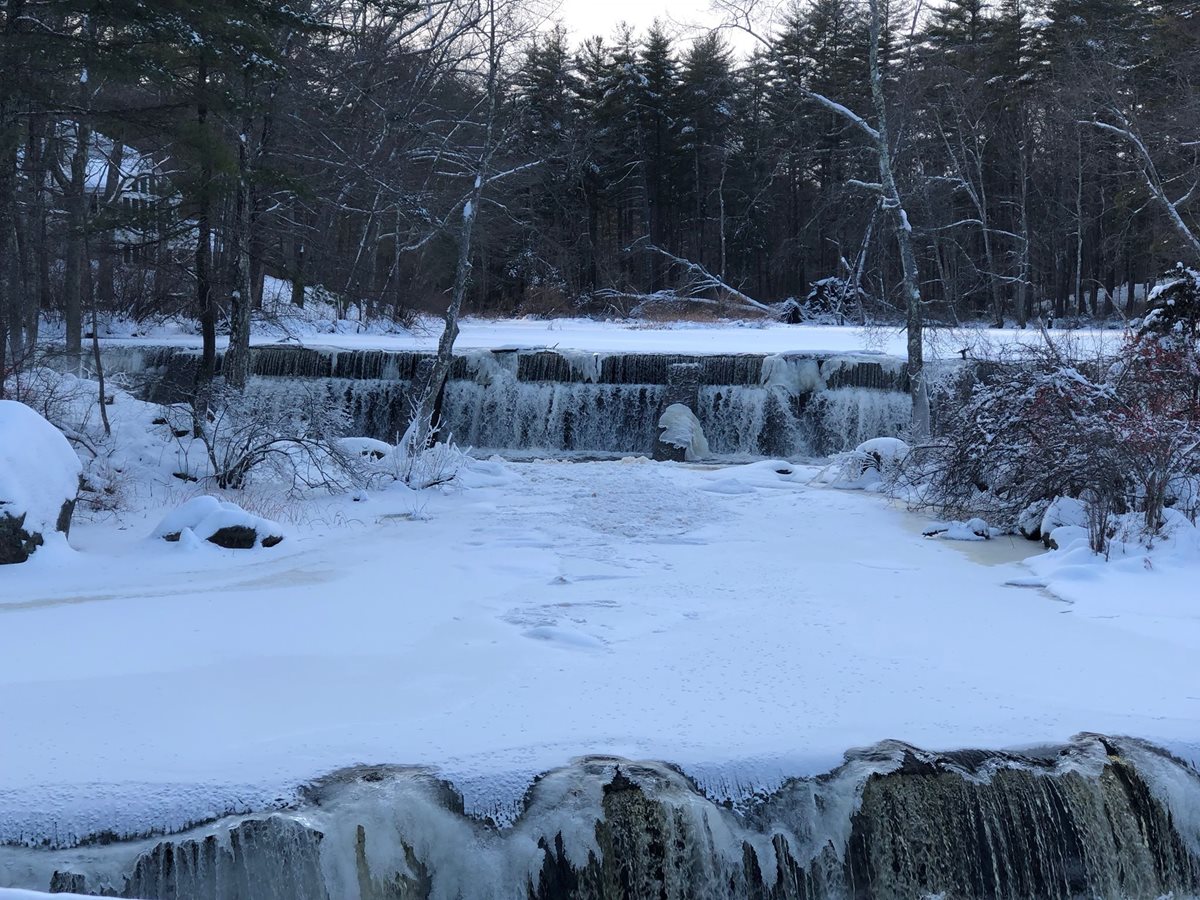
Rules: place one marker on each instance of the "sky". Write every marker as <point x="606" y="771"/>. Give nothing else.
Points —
<point x="584" y="18"/>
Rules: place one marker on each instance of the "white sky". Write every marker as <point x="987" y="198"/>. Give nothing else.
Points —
<point x="584" y="18"/>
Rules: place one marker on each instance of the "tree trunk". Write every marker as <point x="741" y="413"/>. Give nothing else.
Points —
<point x="236" y="368"/>
<point x="298" y="272"/>
<point x="423" y="429"/>
<point x="914" y="320"/>
<point x="10" y="67"/>
<point x="75" y="275"/>
<point x="36" y="255"/>
<point x="205" y="309"/>
<point x="1024" y="284"/>
<point x="1079" y="305"/>
<point x="106" y="293"/>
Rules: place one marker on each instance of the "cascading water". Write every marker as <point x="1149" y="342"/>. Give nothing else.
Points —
<point x="553" y="401"/>
<point x="518" y="415"/>
<point x="1098" y="818"/>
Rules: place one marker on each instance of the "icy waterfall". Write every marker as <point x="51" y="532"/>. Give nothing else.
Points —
<point x="1097" y="818"/>
<point x="555" y="402"/>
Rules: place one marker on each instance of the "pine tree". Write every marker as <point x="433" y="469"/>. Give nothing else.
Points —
<point x="659" y="111"/>
<point x="707" y="92"/>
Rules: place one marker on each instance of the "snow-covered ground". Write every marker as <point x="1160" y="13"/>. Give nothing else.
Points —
<point x="626" y="337"/>
<point x="737" y="621"/>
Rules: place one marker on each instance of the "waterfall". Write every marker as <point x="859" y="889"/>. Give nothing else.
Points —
<point x="570" y="416"/>
<point x="1100" y="817"/>
<point x="551" y="401"/>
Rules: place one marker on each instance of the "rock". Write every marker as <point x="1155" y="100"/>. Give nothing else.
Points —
<point x="367" y="448"/>
<point x="68" y="883"/>
<point x="682" y="435"/>
<point x="1063" y="511"/>
<point x="39" y="478"/>
<point x="218" y="522"/>
<point x="882" y="453"/>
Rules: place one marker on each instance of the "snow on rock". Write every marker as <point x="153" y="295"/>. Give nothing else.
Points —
<point x="219" y="522"/>
<point x="886" y="451"/>
<point x="970" y="530"/>
<point x="1066" y="537"/>
<point x="1063" y="511"/>
<point x="865" y="467"/>
<point x="368" y="448"/>
<point x="683" y="431"/>
<point x="1029" y="521"/>
<point x="39" y="478"/>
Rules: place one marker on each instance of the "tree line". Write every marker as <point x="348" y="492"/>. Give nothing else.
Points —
<point x="164" y="158"/>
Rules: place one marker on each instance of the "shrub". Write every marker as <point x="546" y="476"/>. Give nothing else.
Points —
<point x="1120" y="436"/>
<point x="296" y="442"/>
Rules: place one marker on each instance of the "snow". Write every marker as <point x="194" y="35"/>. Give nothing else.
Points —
<point x="681" y="428"/>
<point x="1064" y="511"/>
<point x="590" y="336"/>
<point x="737" y="621"/>
<point x="888" y="450"/>
<point x="39" y="470"/>
<point x="205" y="515"/>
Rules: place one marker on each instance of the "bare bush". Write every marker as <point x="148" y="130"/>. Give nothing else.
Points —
<point x="296" y="443"/>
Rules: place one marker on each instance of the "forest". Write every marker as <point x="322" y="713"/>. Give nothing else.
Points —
<point x="162" y="159"/>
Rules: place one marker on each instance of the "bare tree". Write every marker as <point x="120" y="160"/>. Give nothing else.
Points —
<point x="487" y="27"/>
<point x="1113" y="121"/>
<point x="879" y="136"/>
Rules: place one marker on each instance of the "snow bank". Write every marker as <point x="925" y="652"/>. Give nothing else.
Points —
<point x="39" y="471"/>
<point x="205" y="517"/>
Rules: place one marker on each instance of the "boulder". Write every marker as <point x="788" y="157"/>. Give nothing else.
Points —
<point x="218" y="522"/>
<point x="682" y="436"/>
<point x="882" y="453"/>
<point x="39" y="478"/>
<point x="1062" y="512"/>
<point x="1029" y="522"/>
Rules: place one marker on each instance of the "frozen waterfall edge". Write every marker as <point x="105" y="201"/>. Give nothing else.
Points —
<point x="1097" y="817"/>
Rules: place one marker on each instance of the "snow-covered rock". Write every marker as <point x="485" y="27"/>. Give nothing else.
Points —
<point x="864" y="467"/>
<point x="218" y="522"/>
<point x="682" y="431"/>
<point x="1066" y="537"/>
<point x="970" y="530"/>
<point x="368" y="448"/>
<point x="1029" y="520"/>
<point x="1062" y="511"/>
<point x="886" y="451"/>
<point x="39" y="478"/>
